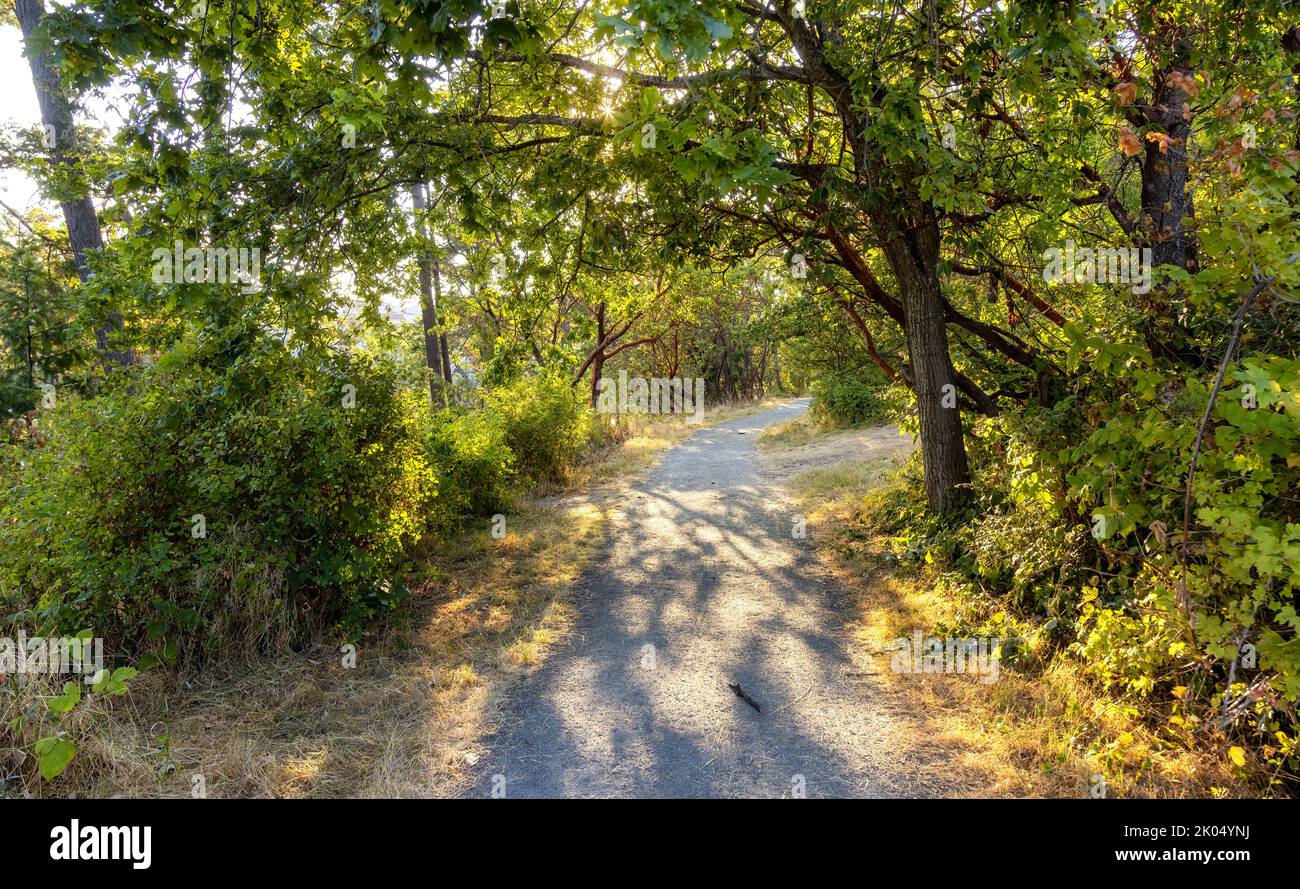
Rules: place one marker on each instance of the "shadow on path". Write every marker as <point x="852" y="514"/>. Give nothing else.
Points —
<point x="703" y="585"/>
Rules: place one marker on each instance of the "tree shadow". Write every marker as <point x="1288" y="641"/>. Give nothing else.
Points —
<point x="703" y="585"/>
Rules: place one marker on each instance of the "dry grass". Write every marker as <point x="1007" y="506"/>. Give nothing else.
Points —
<point x="790" y="434"/>
<point x="849" y="479"/>
<point x="1039" y="732"/>
<point x="409" y="720"/>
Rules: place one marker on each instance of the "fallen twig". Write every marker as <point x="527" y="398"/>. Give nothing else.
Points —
<point x="740" y="693"/>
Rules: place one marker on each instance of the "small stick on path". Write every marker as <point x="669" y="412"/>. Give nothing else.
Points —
<point x="740" y="693"/>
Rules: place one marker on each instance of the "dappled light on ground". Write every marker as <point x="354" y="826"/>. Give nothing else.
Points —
<point x="704" y="586"/>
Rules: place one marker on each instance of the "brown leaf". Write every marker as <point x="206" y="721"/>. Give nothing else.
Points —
<point x="1161" y="139"/>
<point x="1126" y="93"/>
<point x="1161" y="530"/>
<point x="1241" y="96"/>
<point x="1128" y="142"/>
<point x="1185" y="82"/>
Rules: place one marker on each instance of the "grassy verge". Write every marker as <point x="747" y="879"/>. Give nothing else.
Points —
<point x="1041" y="729"/>
<point x="408" y="716"/>
<point x="790" y="434"/>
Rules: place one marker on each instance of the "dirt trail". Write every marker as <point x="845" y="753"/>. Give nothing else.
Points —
<point x="704" y="585"/>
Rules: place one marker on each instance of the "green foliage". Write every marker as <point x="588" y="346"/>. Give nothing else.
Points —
<point x="475" y="466"/>
<point x="53" y="755"/>
<point x="1077" y="528"/>
<point x="566" y="206"/>
<point x="1132" y="646"/>
<point x="848" y="398"/>
<point x="1243" y="560"/>
<point x="206" y="503"/>
<point x="545" y="423"/>
<point x="238" y="502"/>
<point x="44" y="724"/>
<point x="38" y="343"/>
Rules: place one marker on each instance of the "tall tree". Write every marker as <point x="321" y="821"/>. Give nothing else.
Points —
<point x="61" y="140"/>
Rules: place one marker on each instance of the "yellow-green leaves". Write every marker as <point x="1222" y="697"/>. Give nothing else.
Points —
<point x="53" y="756"/>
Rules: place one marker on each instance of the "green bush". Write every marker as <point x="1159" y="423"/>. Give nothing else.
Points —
<point x="547" y="425"/>
<point x="1076" y="526"/>
<point x="475" y="466"/>
<point x="309" y="475"/>
<point x="1242" y="564"/>
<point x="848" y="398"/>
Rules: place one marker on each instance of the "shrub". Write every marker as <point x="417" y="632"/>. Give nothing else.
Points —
<point x="546" y="424"/>
<point x="225" y="497"/>
<point x="848" y="399"/>
<point x="1077" y="526"/>
<point x="475" y="466"/>
<point x="1243" y="569"/>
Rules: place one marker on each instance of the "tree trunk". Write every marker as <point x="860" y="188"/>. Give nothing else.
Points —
<point x="61" y="139"/>
<point x="597" y="367"/>
<point x="27" y="326"/>
<point x="1166" y="201"/>
<point x="446" y="356"/>
<point x="598" y="361"/>
<point x="442" y="334"/>
<point x="913" y="254"/>
<point x="428" y="311"/>
<point x="909" y="236"/>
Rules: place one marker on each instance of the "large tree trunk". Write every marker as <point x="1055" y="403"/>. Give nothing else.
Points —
<point x="61" y="137"/>
<point x="1166" y="202"/>
<point x="446" y="356"/>
<point x="913" y="254"/>
<point x="1165" y="199"/>
<point x="910" y="238"/>
<point x="428" y="310"/>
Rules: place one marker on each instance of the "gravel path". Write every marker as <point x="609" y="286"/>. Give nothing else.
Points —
<point x="703" y="585"/>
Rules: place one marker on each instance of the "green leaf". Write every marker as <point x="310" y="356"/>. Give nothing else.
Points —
<point x="718" y="29"/>
<point x="114" y="683"/>
<point x="66" y="701"/>
<point x="53" y="756"/>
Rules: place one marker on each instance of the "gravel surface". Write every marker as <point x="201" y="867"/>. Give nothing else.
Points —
<point x="703" y="586"/>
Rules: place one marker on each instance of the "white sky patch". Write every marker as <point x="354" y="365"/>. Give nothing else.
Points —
<point x="17" y="105"/>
